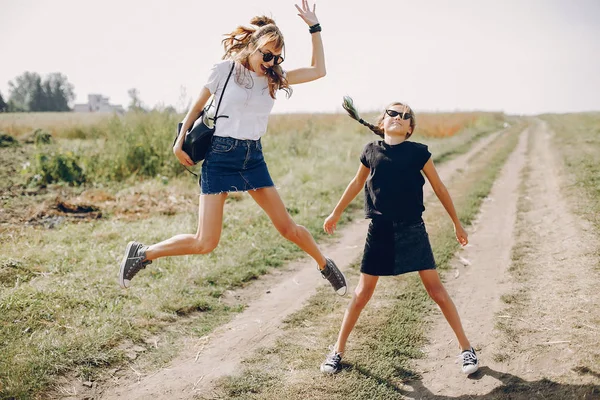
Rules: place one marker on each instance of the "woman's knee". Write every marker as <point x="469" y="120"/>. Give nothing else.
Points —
<point x="289" y="230"/>
<point x="204" y="245"/>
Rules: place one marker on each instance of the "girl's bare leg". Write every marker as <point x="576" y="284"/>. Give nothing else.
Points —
<point x="437" y="291"/>
<point x="362" y="295"/>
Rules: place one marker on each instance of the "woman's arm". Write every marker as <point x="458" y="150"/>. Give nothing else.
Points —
<point x="354" y="188"/>
<point x="188" y="122"/>
<point x="442" y="193"/>
<point x="193" y="114"/>
<point x="317" y="64"/>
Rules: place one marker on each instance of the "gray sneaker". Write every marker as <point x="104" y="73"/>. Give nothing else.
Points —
<point x="332" y="363"/>
<point x="337" y="279"/>
<point x="132" y="263"/>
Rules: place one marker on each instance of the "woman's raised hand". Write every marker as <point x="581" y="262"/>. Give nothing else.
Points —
<point x="306" y="14"/>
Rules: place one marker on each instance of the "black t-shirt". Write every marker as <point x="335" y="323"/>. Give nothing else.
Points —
<point x="394" y="189"/>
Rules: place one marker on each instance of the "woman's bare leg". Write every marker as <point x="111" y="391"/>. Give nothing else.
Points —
<point x="210" y="223"/>
<point x="270" y="201"/>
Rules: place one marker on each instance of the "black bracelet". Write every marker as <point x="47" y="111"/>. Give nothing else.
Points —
<point x="315" y="28"/>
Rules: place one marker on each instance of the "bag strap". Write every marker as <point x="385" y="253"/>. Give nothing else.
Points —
<point x="217" y="116"/>
<point x="217" y="110"/>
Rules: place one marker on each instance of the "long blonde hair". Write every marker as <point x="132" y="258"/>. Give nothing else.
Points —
<point x="242" y="42"/>
<point x="348" y="105"/>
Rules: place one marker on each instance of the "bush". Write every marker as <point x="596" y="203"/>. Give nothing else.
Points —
<point x="57" y="167"/>
<point x="7" y="140"/>
<point x="39" y="136"/>
<point x="137" y="145"/>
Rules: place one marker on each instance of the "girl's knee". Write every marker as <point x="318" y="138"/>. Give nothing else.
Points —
<point x="362" y="296"/>
<point x="439" y="295"/>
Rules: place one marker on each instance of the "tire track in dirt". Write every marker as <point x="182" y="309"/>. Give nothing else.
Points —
<point x="549" y="286"/>
<point x="280" y="294"/>
<point x="477" y="290"/>
<point x="557" y="326"/>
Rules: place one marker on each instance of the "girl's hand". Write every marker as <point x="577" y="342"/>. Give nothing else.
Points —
<point x="461" y="235"/>
<point x="182" y="156"/>
<point x="306" y="14"/>
<point x="330" y="223"/>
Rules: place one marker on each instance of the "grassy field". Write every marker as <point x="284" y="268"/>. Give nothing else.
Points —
<point x="58" y="124"/>
<point x="61" y="310"/>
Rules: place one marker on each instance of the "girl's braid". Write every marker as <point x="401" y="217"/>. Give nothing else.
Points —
<point x="348" y="105"/>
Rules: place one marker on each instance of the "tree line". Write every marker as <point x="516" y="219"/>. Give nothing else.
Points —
<point x="30" y="92"/>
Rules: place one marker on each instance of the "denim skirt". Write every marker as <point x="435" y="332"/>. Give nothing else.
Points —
<point x="394" y="248"/>
<point x="234" y="165"/>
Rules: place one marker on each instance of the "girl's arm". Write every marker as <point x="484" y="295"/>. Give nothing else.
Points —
<point x="188" y="122"/>
<point x="317" y="64"/>
<point x="442" y="193"/>
<point x="354" y="188"/>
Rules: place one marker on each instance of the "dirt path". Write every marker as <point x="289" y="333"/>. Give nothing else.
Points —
<point x="537" y="320"/>
<point x="276" y="296"/>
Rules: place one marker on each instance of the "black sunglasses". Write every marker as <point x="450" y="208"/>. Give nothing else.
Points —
<point x="394" y="113"/>
<point x="269" y="56"/>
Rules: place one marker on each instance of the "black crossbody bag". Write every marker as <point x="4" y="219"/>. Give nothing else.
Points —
<point x="198" y="140"/>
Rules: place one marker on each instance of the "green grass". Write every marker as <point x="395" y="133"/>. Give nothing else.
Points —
<point x="577" y="140"/>
<point x="61" y="310"/>
<point x="392" y="328"/>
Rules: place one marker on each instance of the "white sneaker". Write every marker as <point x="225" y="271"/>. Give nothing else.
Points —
<point x="470" y="363"/>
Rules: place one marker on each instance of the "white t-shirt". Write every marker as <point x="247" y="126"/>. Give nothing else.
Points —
<point x="248" y="105"/>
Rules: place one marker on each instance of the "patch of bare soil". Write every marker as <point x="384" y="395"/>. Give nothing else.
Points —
<point x="528" y="297"/>
<point x="135" y="203"/>
<point x="43" y="206"/>
<point x="53" y="205"/>
<point x="52" y="214"/>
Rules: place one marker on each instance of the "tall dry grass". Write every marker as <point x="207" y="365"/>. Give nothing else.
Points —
<point x="103" y="148"/>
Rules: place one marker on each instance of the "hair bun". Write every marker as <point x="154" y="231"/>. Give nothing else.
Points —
<point x="262" y="21"/>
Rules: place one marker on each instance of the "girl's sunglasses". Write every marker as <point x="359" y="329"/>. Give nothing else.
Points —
<point x="394" y="113"/>
<point x="267" y="57"/>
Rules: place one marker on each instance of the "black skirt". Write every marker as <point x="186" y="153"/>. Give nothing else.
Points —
<point x="394" y="248"/>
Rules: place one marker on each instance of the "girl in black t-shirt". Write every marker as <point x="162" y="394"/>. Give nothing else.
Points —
<point x="397" y="242"/>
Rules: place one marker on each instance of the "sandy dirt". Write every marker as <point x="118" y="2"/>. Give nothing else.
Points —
<point x="532" y="326"/>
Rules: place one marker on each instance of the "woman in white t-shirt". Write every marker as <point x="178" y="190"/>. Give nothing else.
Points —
<point x="235" y="160"/>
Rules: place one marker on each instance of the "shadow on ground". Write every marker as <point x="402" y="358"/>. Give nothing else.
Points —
<point x="512" y="388"/>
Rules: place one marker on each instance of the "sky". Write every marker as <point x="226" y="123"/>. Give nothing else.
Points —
<point x="516" y="56"/>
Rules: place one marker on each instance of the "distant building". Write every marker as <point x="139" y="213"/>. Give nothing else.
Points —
<point x="98" y="103"/>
